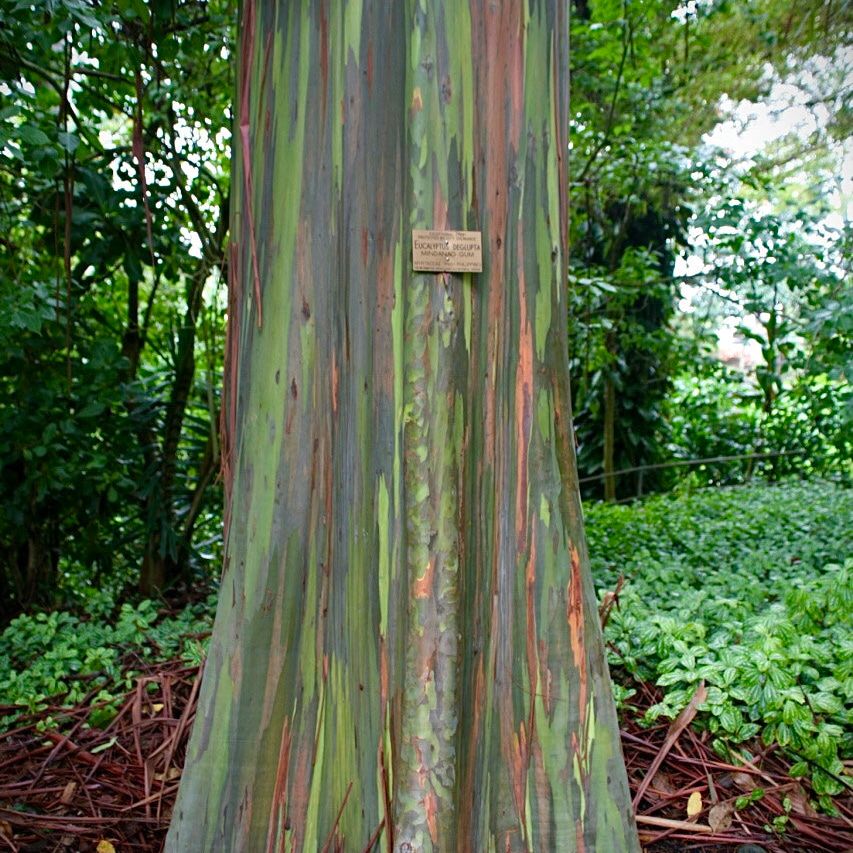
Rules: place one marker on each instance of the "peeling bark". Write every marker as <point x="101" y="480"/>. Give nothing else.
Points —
<point x="406" y="652"/>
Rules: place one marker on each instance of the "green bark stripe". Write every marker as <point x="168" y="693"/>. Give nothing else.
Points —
<point x="406" y="653"/>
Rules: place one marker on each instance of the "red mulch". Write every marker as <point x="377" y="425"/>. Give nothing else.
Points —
<point x="65" y="787"/>
<point x="68" y="787"/>
<point x="692" y="766"/>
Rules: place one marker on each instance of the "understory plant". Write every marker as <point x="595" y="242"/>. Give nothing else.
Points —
<point x="747" y="590"/>
<point x="62" y="658"/>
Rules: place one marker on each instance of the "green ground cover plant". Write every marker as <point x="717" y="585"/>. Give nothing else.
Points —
<point x="749" y="590"/>
<point x="64" y="658"/>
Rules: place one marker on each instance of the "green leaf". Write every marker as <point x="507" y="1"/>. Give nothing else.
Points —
<point x="91" y="410"/>
<point x="68" y="141"/>
<point x="103" y="747"/>
<point x="33" y="135"/>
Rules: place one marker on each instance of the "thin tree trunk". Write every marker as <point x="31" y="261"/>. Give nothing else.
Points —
<point x="406" y="653"/>
<point x="162" y="565"/>
<point x="207" y="470"/>
<point x="609" y="439"/>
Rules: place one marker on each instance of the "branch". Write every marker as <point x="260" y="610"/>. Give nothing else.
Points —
<point x="96" y="72"/>
<point x="697" y="281"/>
<point x="609" y="125"/>
<point x="46" y="74"/>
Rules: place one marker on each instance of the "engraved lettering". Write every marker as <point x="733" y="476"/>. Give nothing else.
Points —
<point x="447" y="251"/>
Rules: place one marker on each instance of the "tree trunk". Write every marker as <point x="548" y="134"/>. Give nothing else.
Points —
<point x="406" y="653"/>
<point x="609" y="428"/>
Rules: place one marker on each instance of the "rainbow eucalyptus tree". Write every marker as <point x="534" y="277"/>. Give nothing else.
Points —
<point x="406" y="654"/>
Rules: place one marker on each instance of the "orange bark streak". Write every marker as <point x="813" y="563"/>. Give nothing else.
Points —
<point x="298" y="805"/>
<point x="523" y="394"/>
<point x="423" y="585"/>
<point x="439" y="208"/>
<point x="278" y="813"/>
<point x="364" y="246"/>
<point x="431" y="808"/>
<point x="247" y="55"/>
<point x="574" y="613"/>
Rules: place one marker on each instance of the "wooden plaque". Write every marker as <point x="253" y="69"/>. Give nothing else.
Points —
<point x="447" y="251"/>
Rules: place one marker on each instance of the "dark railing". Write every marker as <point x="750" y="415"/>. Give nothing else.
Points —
<point x="680" y="463"/>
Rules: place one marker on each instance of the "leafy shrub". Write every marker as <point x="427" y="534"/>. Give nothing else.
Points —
<point x="814" y="417"/>
<point x="70" y="659"/>
<point x="714" y="415"/>
<point x="746" y="590"/>
<point x="719" y="413"/>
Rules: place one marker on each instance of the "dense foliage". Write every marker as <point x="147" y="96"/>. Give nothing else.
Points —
<point x="114" y="140"/>
<point x="718" y="414"/>
<point x="648" y="190"/>
<point x="94" y="660"/>
<point x="749" y="590"/>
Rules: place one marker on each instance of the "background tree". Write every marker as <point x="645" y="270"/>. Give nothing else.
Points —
<point x="648" y="79"/>
<point x="407" y="651"/>
<point x="775" y="275"/>
<point x="114" y="209"/>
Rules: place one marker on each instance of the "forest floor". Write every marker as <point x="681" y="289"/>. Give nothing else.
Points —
<point x="727" y="616"/>
<point x="112" y="789"/>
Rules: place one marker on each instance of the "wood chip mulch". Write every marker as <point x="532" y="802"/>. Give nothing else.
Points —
<point x="670" y="762"/>
<point x="67" y="787"/>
